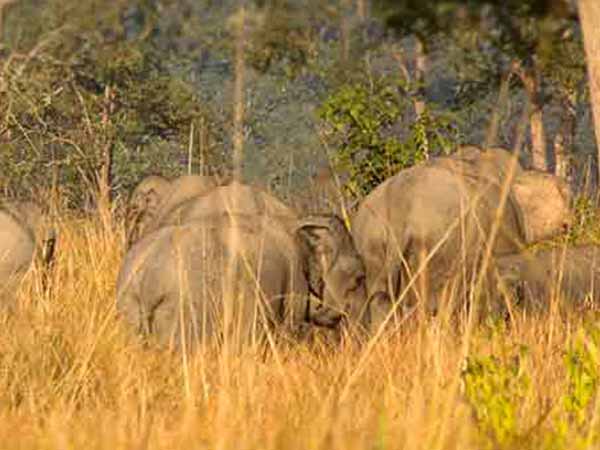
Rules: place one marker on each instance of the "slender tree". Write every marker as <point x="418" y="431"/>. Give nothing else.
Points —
<point x="523" y="37"/>
<point x="362" y="9"/>
<point x="530" y="33"/>
<point x="3" y="5"/>
<point x="423" y="20"/>
<point x="589" y="15"/>
<point x="531" y="78"/>
<point x="565" y="71"/>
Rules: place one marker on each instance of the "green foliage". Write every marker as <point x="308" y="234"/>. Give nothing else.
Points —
<point x="170" y="65"/>
<point x="422" y="18"/>
<point x="56" y="114"/>
<point x="281" y="36"/>
<point x="362" y="119"/>
<point x="585" y="226"/>
<point x="582" y="362"/>
<point x="573" y="426"/>
<point x="495" y="390"/>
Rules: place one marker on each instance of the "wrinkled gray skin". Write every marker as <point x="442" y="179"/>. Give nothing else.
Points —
<point x="175" y="279"/>
<point x="155" y="197"/>
<point x="534" y="278"/>
<point x="233" y="198"/>
<point x="21" y="241"/>
<point x="453" y="198"/>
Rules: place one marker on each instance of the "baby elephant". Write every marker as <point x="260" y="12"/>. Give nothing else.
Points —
<point x="529" y="280"/>
<point x="533" y="279"/>
<point x="155" y="196"/>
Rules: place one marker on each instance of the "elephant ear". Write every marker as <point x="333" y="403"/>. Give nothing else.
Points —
<point x="144" y="204"/>
<point x="322" y="235"/>
<point x="543" y="201"/>
<point x="149" y="193"/>
<point x="151" y="200"/>
<point x="320" y="239"/>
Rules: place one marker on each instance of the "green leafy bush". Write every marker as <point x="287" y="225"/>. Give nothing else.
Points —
<point x="572" y="417"/>
<point x="586" y="222"/>
<point x="495" y="390"/>
<point x="582" y="362"/>
<point x="281" y="36"/>
<point x="497" y="387"/>
<point x="363" y="123"/>
<point x="57" y="122"/>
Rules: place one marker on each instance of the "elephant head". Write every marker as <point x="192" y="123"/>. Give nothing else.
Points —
<point x="543" y="202"/>
<point x="143" y="205"/>
<point x="333" y="268"/>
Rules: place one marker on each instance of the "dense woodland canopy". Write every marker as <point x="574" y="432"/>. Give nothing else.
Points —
<point x="106" y="92"/>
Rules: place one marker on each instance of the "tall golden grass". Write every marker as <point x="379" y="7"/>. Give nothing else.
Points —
<point x="73" y="376"/>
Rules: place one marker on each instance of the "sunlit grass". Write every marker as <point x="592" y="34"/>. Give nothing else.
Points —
<point x="73" y="376"/>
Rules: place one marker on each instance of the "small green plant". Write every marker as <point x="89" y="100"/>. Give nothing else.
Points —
<point x="495" y="390"/>
<point x="572" y="425"/>
<point x="581" y="361"/>
<point x="364" y="122"/>
<point x="586" y="221"/>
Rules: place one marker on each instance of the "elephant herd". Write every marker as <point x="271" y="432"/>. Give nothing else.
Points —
<point x="207" y="261"/>
<point x="233" y="258"/>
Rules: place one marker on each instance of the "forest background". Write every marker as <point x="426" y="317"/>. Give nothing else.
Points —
<point x="99" y="94"/>
<point x="336" y="96"/>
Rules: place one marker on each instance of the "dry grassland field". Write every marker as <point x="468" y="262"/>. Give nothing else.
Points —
<point x="339" y="104"/>
<point x="72" y="376"/>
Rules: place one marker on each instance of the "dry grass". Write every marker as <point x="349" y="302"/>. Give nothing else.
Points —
<point x="73" y="377"/>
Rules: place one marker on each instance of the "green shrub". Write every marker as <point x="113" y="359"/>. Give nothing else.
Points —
<point x="586" y="222"/>
<point x="362" y="121"/>
<point x="55" y="120"/>
<point x="583" y="372"/>
<point x="495" y="390"/>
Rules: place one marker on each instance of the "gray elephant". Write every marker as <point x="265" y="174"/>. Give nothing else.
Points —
<point x="439" y="215"/>
<point x="22" y="240"/>
<point x="155" y="196"/>
<point x="233" y="198"/>
<point x="533" y="278"/>
<point x="231" y="276"/>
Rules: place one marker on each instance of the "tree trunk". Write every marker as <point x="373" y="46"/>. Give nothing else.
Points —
<point x="190" y="160"/>
<point x="106" y="157"/>
<point x="202" y="147"/>
<point x="54" y="194"/>
<point x="491" y="136"/>
<point x="420" y="68"/>
<point x="563" y="141"/>
<point x="362" y="13"/>
<point x="105" y="177"/>
<point x="3" y="5"/>
<point x="589" y="16"/>
<point x="345" y="30"/>
<point x="362" y="8"/>
<point x="238" y="111"/>
<point x="531" y="82"/>
<point x="419" y="99"/>
<point x="538" y="138"/>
